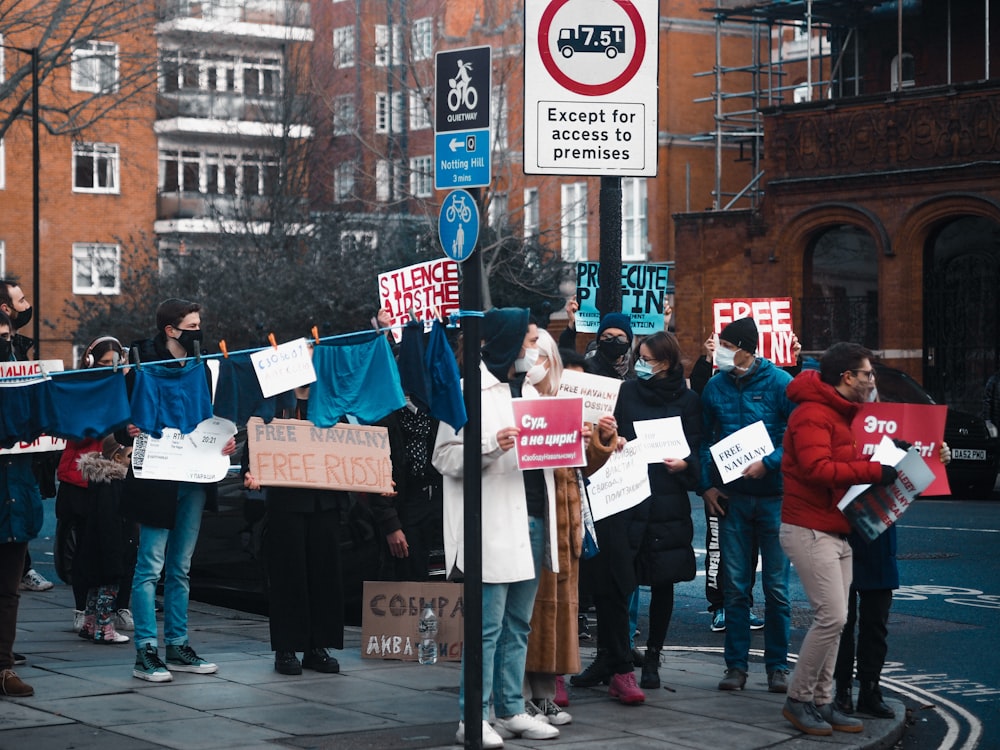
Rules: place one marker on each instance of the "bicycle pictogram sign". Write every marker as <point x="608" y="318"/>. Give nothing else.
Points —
<point x="461" y="91"/>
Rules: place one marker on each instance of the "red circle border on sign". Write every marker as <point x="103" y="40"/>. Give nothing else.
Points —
<point x="585" y="89"/>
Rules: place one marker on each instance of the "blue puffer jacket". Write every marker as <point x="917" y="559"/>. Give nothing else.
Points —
<point x="21" y="504"/>
<point x="729" y="404"/>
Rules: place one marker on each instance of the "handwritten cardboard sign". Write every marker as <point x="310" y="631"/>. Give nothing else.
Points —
<point x="644" y="287"/>
<point x="661" y="438"/>
<point x="622" y="483"/>
<point x="599" y="394"/>
<point x="773" y="317"/>
<point x="284" y="367"/>
<point x="920" y="425"/>
<point x="733" y="454"/>
<point x="392" y="611"/>
<point x="551" y="432"/>
<point x="297" y="453"/>
<point x="418" y="288"/>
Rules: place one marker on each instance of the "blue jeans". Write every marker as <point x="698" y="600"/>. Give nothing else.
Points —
<point x="749" y="517"/>
<point x="507" y="611"/>
<point x="167" y="550"/>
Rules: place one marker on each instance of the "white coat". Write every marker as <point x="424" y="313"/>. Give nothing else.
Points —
<point x="506" y="545"/>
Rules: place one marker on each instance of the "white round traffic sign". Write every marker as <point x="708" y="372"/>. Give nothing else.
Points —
<point x="592" y="59"/>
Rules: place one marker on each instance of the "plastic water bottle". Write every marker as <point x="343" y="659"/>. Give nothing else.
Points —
<point x="427" y="630"/>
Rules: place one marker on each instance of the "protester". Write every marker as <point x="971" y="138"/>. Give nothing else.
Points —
<point x="746" y="390"/>
<point x="513" y="522"/>
<point x="820" y="461"/>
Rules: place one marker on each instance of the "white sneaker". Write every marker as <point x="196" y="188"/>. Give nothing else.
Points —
<point x="553" y="714"/>
<point x="491" y="740"/>
<point x="35" y="581"/>
<point x="528" y="727"/>
<point x="123" y="620"/>
<point x="77" y="620"/>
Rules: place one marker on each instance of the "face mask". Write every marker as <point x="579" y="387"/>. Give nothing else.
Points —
<point x="725" y="359"/>
<point x="536" y="374"/>
<point x="187" y="339"/>
<point x="873" y="396"/>
<point x="23" y="318"/>
<point x="525" y="363"/>
<point x="5" y="350"/>
<point x="612" y="350"/>
<point x="643" y="370"/>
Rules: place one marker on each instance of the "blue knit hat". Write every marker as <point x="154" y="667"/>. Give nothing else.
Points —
<point x="616" y="320"/>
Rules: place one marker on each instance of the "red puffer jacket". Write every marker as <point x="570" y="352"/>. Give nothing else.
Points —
<point x="821" y="459"/>
<point x="68" y="470"/>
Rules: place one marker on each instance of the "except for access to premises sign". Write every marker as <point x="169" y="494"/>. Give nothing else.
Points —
<point x="590" y="88"/>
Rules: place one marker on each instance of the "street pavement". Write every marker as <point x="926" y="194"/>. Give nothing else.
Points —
<point x="86" y="698"/>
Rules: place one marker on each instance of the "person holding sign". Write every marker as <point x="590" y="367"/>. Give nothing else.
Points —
<point x="649" y="543"/>
<point x="515" y="538"/>
<point x="748" y="390"/>
<point x="820" y="462"/>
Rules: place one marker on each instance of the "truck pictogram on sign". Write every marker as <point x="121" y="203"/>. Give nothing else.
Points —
<point x="609" y="40"/>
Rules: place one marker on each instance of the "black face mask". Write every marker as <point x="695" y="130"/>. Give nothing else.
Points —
<point x="187" y="339"/>
<point x="612" y="350"/>
<point x="5" y="350"/>
<point x="23" y="318"/>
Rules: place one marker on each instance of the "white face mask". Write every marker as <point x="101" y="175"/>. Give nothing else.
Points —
<point x="536" y="374"/>
<point x="525" y="363"/>
<point x="725" y="359"/>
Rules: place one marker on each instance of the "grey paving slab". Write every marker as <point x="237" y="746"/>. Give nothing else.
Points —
<point x="206" y="733"/>
<point x="70" y="736"/>
<point x="338" y="689"/>
<point x="125" y="708"/>
<point x="51" y="686"/>
<point x="212" y="696"/>
<point x="306" y="718"/>
<point x="414" y="710"/>
<point x="17" y="713"/>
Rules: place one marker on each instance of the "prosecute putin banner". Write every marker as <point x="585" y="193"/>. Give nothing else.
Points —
<point x="423" y="289"/>
<point x="773" y="317"/>
<point x="644" y="287"/>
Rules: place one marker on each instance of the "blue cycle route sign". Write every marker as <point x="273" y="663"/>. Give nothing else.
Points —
<point x="458" y="225"/>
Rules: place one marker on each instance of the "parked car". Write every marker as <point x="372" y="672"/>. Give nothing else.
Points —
<point x="974" y="441"/>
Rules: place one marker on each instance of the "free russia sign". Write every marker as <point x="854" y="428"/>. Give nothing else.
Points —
<point x="590" y="88"/>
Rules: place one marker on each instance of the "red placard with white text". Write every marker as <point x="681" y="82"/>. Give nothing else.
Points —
<point x="920" y="425"/>
<point x="550" y="432"/>
<point x="773" y="316"/>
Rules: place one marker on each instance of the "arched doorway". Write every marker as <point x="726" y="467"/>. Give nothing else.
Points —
<point x="841" y="289"/>
<point x="962" y="308"/>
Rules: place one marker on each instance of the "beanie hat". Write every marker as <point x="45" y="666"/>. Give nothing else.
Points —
<point x="741" y="333"/>
<point x="616" y="320"/>
<point x="503" y="331"/>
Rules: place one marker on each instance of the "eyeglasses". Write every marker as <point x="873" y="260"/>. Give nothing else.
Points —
<point x="615" y="339"/>
<point x="869" y="375"/>
<point x="648" y="360"/>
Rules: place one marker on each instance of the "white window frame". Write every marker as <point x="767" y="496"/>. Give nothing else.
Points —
<point x="345" y="115"/>
<point x="94" y="53"/>
<point x="420" y="109"/>
<point x="358" y="240"/>
<point x="501" y="114"/>
<point x="98" y="153"/>
<point x="496" y="212"/>
<point x="635" y="225"/>
<point x="382" y="112"/>
<point x="894" y="70"/>
<point x="3" y="166"/>
<point x="384" y="40"/>
<point x="573" y="224"/>
<point x="3" y="259"/>
<point x="422" y="176"/>
<point x="385" y="190"/>
<point x="344" y="53"/>
<point x="343" y="181"/>
<point x="94" y="253"/>
<point x="531" y="213"/>
<point x="422" y="39"/>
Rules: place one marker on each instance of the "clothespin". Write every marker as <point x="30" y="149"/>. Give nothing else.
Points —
<point x="116" y="360"/>
<point x="224" y="348"/>
<point x="315" y="332"/>
<point x="197" y="352"/>
<point x="138" y="359"/>
<point x="411" y="315"/>
<point x="436" y="313"/>
<point x="274" y="342"/>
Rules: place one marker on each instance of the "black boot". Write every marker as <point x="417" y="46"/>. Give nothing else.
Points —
<point x="870" y="701"/>
<point x="842" y="699"/>
<point x="599" y="671"/>
<point x="650" y="669"/>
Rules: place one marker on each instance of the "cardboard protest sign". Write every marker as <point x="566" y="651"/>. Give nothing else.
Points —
<point x="418" y="288"/>
<point x="661" y="438"/>
<point x="297" y="453"/>
<point x="391" y="612"/>
<point x="551" y="432"/>
<point x="41" y="444"/>
<point x="644" y="287"/>
<point x="599" y="394"/>
<point x="872" y="508"/>
<point x="284" y="367"/>
<point x="622" y="483"/>
<point x="19" y="373"/>
<point x="920" y="425"/>
<point x="192" y="457"/>
<point x="773" y="317"/>
<point x="733" y="454"/>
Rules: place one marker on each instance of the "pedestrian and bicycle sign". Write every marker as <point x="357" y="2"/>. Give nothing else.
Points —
<point x="463" y="81"/>
<point x="458" y="225"/>
<point x="591" y="88"/>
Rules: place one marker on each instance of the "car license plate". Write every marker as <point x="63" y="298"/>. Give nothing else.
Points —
<point x="968" y="454"/>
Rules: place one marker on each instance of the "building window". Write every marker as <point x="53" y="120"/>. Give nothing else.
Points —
<point x="96" y="268"/>
<point x="343" y="47"/>
<point x="354" y="242"/>
<point x="3" y="166"/>
<point x="500" y="112"/>
<point x="496" y="212"/>
<point x="635" y="231"/>
<point x="95" y="168"/>
<point x="531" y="213"/>
<point x="344" y="115"/>
<point x="390" y="180"/>
<point x="574" y="221"/>
<point x="213" y="73"/>
<point x="216" y="173"/>
<point x="422" y="176"/>
<point x="383" y="115"/>
<point x="388" y="45"/>
<point x="420" y="109"/>
<point x="343" y="181"/>
<point x="422" y="39"/>
<point x="3" y="259"/>
<point x="95" y="67"/>
<point x="908" y="80"/>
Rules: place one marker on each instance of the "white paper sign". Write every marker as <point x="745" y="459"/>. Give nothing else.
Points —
<point x="284" y="367"/>
<point x="733" y="454"/>
<point x="41" y="444"/>
<point x="27" y="371"/>
<point x="661" y="438"/>
<point x="194" y="457"/>
<point x="599" y="394"/>
<point x="622" y="483"/>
